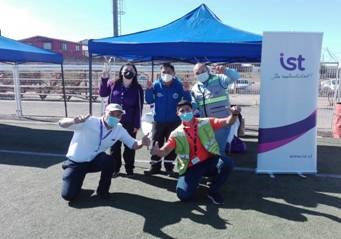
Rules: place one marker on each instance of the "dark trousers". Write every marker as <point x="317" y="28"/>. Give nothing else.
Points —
<point x="161" y="132"/>
<point x="128" y="154"/>
<point x="74" y="174"/>
<point x="216" y="167"/>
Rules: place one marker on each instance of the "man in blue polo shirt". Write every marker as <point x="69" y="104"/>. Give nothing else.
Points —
<point x="165" y="93"/>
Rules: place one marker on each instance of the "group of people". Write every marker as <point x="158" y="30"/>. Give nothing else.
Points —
<point x="190" y="125"/>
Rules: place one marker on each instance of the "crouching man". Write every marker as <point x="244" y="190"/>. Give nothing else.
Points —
<point x="198" y="152"/>
<point x="86" y="154"/>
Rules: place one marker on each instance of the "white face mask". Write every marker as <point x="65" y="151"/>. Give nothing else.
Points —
<point x="127" y="82"/>
<point x="166" y="77"/>
<point x="203" y="76"/>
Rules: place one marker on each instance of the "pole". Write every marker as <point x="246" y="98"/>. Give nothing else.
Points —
<point x="152" y="70"/>
<point x="90" y="83"/>
<point x="63" y="84"/>
<point x="115" y="17"/>
<point x="17" y="90"/>
<point x="337" y="93"/>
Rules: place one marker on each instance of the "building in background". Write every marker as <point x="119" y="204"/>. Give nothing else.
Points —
<point x="84" y="44"/>
<point x="70" y="50"/>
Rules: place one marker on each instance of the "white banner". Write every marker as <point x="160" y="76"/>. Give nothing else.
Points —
<point x="288" y="102"/>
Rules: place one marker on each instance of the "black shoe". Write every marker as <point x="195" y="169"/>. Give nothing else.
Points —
<point x="216" y="198"/>
<point x="152" y="171"/>
<point x="171" y="173"/>
<point x="208" y="181"/>
<point x="115" y="174"/>
<point x="130" y="174"/>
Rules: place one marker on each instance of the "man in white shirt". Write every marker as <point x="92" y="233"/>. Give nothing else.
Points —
<point x="92" y="137"/>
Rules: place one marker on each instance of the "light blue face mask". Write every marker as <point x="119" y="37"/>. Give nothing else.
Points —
<point x="203" y="76"/>
<point x="112" y="121"/>
<point x="187" y="116"/>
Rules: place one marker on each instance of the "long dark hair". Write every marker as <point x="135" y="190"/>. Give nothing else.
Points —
<point x="120" y="74"/>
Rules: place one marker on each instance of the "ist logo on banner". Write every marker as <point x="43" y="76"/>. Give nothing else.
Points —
<point x="292" y="63"/>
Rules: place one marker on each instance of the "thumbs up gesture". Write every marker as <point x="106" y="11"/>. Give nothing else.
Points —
<point x="186" y="86"/>
<point x="149" y="84"/>
<point x="81" y="118"/>
<point x="146" y="140"/>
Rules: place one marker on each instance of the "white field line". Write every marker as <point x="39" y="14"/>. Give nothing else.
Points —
<point x="242" y="169"/>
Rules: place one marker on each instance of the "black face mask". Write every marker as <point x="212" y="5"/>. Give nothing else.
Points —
<point x="129" y="75"/>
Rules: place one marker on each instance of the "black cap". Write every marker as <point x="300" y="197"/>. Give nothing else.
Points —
<point x="184" y="102"/>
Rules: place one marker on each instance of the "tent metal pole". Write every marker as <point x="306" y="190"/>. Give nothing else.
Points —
<point x="17" y="90"/>
<point x="63" y="84"/>
<point x="152" y="70"/>
<point x="337" y="93"/>
<point x="90" y="84"/>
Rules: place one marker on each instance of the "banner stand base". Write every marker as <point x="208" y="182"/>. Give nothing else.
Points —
<point x="301" y="175"/>
<point x="272" y="174"/>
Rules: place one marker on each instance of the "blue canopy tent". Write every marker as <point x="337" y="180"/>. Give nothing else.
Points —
<point x="199" y="36"/>
<point x="12" y="51"/>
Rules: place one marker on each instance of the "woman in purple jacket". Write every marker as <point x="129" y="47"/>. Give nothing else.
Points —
<point x="127" y="92"/>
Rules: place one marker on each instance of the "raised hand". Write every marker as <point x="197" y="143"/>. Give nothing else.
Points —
<point x="81" y="118"/>
<point x="235" y="110"/>
<point x="186" y="86"/>
<point x="106" y="68"/>
<point x="219" y="69"/>
<point x="149" y="84"/>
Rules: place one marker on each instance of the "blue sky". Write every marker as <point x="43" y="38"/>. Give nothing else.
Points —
<point x="76" y="20"/>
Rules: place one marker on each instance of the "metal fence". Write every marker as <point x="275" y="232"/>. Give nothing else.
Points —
<point x="43" y="82"/>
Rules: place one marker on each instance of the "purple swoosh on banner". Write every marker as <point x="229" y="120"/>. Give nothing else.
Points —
<point x="273" y="145"/>
<point x="272" y="138"/>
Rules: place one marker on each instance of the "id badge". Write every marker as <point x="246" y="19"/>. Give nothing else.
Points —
<point x="195" y="160"/>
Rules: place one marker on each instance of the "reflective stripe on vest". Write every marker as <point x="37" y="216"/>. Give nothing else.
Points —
<point x="213" y="100"/>
<point x="219" y="96"/>
<point x="206" y="136"/>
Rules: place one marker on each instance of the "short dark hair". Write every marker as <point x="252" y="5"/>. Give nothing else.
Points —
<point x="167" y="65"/>
<point x="182" y="103"/>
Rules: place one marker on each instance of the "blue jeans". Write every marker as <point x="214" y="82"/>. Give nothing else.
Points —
<point x="216" y="167"/>
<point x="74" y="174"/>
<point x="221" y="137"/>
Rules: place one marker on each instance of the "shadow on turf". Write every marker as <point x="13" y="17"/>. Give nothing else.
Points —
<point x="158" y="213"/>
<point x="17" y="138"/>
<point x="288" y="197"/>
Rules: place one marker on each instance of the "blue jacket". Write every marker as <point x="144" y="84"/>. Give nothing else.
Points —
<point x="166" y="99"/>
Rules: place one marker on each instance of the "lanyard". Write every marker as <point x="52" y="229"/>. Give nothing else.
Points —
<point x="193" y="138"/>
<point x="101" y="134"/>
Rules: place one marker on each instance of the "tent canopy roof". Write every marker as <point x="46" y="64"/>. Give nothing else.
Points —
<point x="14" y="51"/>
<point x="197" y="36"/>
